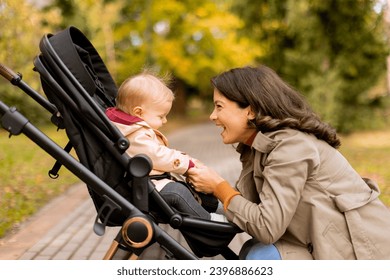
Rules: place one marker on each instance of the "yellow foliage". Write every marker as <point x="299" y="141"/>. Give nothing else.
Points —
<point x="20" y="35"/>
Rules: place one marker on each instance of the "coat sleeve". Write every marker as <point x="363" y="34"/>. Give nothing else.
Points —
<point x="164" y="158"/>
<point x="279" y="186"/>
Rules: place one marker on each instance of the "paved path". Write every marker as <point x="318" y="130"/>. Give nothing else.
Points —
<point x="62" y="230"/>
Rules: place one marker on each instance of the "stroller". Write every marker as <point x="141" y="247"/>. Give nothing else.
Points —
<point x="79" y="88"/>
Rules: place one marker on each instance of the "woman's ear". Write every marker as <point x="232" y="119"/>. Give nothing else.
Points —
<point x="137" y="111"/>
<point x="251" y="114"/>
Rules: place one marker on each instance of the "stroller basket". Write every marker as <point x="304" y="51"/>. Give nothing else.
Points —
<point x="79" y="88"/>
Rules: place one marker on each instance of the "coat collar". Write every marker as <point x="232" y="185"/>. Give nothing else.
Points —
<point x="118" y="116"/>
<point x="121" y="117"/>
<point x="261" y="143"/>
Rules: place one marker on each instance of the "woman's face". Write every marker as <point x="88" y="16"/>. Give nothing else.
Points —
<point x="233" y="119"/>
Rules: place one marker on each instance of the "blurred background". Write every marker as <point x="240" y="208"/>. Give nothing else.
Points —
<point x="335" y="52"/>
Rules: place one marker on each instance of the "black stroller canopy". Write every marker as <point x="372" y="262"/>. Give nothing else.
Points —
<point x="83" y="62"/>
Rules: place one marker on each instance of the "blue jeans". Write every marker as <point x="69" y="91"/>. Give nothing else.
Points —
<point x="180" y="198"/>
<point x="254" y="250"/>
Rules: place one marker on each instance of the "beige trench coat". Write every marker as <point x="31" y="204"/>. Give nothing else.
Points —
<point x="302" y="195"/>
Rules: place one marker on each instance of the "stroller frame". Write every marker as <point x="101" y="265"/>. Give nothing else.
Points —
<point x="128" y="202"/>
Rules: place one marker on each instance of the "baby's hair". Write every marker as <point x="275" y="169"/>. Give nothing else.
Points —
<point x="146" y="86"/>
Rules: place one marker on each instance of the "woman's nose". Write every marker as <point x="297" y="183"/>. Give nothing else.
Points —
<point x="213" y="116"/>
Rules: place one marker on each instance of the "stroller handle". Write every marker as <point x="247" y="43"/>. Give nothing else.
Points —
<point x="9" y="74"/>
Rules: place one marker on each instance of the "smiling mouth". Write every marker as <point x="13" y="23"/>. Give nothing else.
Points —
<point x="222" y="127"/>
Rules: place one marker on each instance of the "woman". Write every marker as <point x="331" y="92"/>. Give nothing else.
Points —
<point x="297" y="196"/>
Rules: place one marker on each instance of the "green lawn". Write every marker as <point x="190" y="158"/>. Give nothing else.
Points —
<point x="25" y="185"/>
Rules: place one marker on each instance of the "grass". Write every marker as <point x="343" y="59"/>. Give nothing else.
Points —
<point x="25" y="186"/>
<point x="369" y="154"/>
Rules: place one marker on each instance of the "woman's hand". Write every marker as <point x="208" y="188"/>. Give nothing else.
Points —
<point x="204" y="178"/>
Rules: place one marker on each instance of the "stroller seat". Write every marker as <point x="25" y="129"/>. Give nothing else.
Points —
<point x="78" y="85"/>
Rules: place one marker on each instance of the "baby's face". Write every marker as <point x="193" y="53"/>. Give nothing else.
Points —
<point x="155" y="115"/>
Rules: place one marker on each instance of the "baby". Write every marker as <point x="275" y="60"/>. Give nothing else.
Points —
<point x="142" y="106"/>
